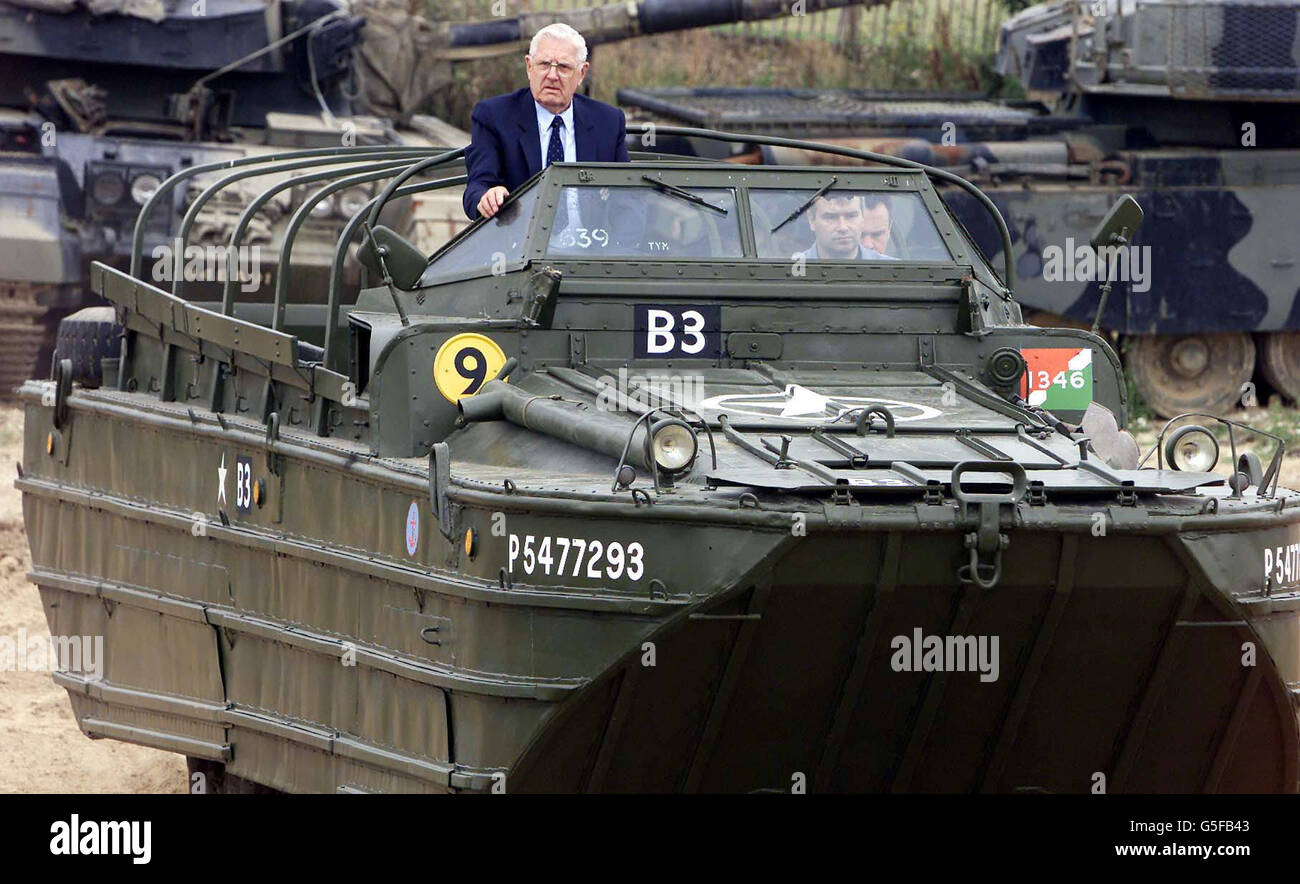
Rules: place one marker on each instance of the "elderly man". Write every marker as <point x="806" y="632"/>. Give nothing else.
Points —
<point x="516" y="135"/>
<point x="842" y="224"/>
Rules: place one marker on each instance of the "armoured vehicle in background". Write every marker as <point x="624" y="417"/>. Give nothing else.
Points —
<point x="1193" y="107"/>
<point x="98" y="106"/>
<point x="90" y="125"/>
<point x="635" y="487"/>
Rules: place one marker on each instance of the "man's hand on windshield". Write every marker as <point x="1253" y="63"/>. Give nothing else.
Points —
<point x="490" y="203"/>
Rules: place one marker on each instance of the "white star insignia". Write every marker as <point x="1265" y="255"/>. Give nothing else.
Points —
<point x="221" y="480"/>
<point x="801" y="401"/>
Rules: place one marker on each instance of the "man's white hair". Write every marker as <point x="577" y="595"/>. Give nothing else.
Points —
<point x="560" y="31"/>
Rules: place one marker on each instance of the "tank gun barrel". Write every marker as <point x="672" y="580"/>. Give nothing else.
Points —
<point x="406" y="58"/>
<point x="615" y="21"/>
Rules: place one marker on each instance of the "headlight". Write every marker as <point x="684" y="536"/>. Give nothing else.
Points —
<point x="107" y="188"/>
<point x="1192" y="448"/>
<point x="352" y="200"/>
<point x="672" y="445"/>
<point x="143" y="187"/>
<point x="324" y="208"/>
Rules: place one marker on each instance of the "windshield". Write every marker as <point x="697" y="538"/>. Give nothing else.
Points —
<point x="837" y="224"/>
<point x="494" y="243"/>
<point x="654" y="221"/>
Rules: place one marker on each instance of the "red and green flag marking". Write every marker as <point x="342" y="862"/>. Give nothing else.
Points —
<point x="1058" y="378"/>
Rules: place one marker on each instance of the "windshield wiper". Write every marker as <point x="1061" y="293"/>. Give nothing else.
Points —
<point x="683" y="194"/>
<point x="812" y="199"/>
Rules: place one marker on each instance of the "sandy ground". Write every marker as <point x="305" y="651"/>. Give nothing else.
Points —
<point x="41" y="747"/>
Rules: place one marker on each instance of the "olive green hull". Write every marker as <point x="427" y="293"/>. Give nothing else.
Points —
<point x="305" y="648"/>
<point x="1096" y="678"/>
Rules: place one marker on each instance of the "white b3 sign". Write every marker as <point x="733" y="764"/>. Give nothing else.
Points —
<point x="677" y="332"/>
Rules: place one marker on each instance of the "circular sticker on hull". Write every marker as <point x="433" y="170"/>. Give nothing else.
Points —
<point x="464" y="363"/>
<point x="412" y="529"/>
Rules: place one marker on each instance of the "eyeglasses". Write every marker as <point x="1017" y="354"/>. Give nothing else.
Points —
<point x="562" y="68"/>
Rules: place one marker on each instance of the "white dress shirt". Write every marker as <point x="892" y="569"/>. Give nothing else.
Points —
<point x="544" y="118"/>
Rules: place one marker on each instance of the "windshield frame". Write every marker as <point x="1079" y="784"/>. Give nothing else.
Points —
<point x="901" y="185"/>
<point x="741" y="178"/>
<point x="477" y="224"/>
<point x="695" y="176"/>
<point x="734" y="215"/>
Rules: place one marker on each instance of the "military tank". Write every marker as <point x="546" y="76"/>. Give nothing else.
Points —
<point x="1189" y="106"/>
<point x="660" y="481"/>
<point x="90" y="127"/>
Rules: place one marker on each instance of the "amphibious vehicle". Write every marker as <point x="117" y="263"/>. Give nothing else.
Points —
<point x="637" y="486"/>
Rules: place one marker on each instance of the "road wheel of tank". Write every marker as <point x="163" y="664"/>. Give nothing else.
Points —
<point x="21" y="335"/>
<point x="1279" y="360"/>
<point x="87" y="337"/>
<point x="1178" y="373"/>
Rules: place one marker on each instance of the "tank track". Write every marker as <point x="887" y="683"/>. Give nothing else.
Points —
<point x="23" y="334"/>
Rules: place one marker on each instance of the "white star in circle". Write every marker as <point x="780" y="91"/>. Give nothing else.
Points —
<point x="221" y="480"/>
<point x="800" y="403"/>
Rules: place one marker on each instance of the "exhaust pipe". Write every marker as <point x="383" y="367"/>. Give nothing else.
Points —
<point x="577" y="423"/>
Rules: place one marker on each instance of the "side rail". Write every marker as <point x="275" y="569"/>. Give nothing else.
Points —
<point x="188" y="354"/>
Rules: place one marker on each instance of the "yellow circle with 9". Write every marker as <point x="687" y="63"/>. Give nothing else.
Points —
<point x="464" y="363"/>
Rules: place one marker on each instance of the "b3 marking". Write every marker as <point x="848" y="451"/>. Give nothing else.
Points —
<point x="676" y="332"/>
<point x="243" y="484"/>
<point x="566" y="556"/>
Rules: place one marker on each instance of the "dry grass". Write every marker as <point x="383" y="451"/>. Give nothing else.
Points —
<point x="1276" y="418"/>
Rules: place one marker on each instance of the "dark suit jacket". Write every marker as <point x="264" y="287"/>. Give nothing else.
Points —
<point x="505" y="148"/>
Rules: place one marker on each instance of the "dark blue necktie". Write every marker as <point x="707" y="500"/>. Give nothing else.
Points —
<point x="555" y="150"/>
<point x="555" y="154"/>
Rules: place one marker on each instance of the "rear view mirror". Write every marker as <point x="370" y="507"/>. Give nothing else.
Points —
<point x="1116" y="229"/>
<point x="1119" y="225"/>
<point x="404" y="261"/>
